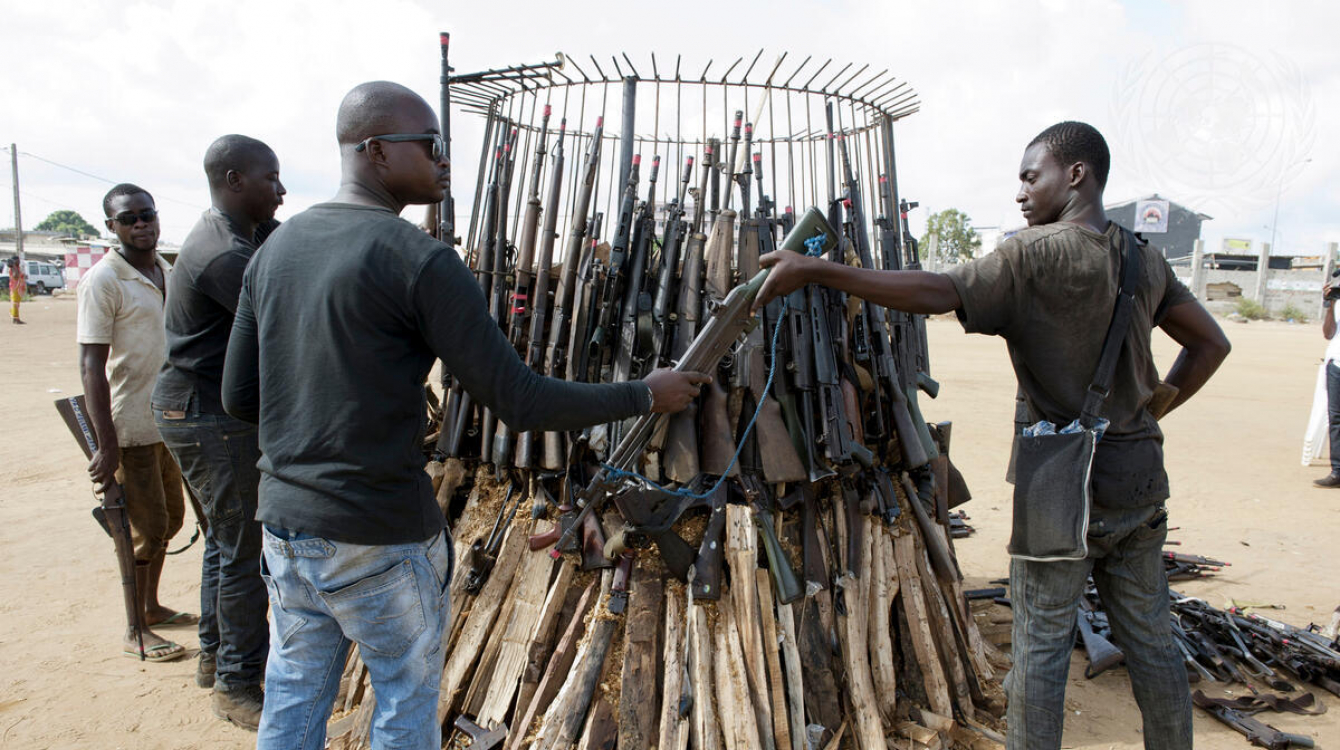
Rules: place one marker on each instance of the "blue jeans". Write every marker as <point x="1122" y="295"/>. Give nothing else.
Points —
<point x="218" y="456"/>
<point x="1333" y="412"/>
<point x="391" y="600"/>
<point x="1125" y="557"/>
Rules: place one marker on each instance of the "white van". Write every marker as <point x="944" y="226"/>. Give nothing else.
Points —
<point x="43" y="277"/>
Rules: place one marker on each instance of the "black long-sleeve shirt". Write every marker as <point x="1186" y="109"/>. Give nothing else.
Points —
<point x="342" y="312"/>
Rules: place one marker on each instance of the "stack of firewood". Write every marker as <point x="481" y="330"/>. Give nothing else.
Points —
<point x="888" y="656"/>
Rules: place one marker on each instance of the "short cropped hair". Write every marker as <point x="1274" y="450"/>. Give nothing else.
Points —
<point x="117" y="191"/>
<point x="232" y="153"/>
<point x="371" y="109"/>
<point x="1072" y="141"/>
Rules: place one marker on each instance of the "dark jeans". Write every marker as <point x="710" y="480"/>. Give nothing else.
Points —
<point x="1333" y="410"/>
<point x="1125" y="557"/>
<point x="218" y="456"/>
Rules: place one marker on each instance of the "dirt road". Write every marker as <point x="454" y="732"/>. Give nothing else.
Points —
<point x="1239" y="494"/>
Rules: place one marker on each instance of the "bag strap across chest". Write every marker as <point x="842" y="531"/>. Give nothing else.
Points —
<point x="1122" y="312"/>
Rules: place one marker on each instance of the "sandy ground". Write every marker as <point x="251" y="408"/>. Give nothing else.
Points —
<point x="1240" y="494"/>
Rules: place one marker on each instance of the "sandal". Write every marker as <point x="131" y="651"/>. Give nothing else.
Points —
<point x="162" y="652"/>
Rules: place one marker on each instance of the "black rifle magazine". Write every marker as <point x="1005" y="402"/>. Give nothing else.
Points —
<point x="1052" y="496"/>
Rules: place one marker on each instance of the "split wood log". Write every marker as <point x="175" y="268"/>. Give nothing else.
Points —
<point x="854" y="638"/>
<point x="742" y="557"/>
<point x="567" y="714"/>
<point x="479" y="623"/>
<point x="738" y="717"/>
<point x="919" y="627"/>
<point x="602" y="729"/>
<point x="943" y="630"/>
<point x="557" y="671"/>
<point x="483" y="673"/>
<point x="674" y="729"/>
<point x="795" y="682"/>
<point x="639" y="688"/>
<point x="529" y="594"/>
<point x="542" y="640"/>
<point x="883" y="653"/>
<point x="822" y="702"/>
<point x="781" y="729"/>
<point x="704" y="729"/>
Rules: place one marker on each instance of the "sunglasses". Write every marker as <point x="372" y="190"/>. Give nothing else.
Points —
<point x="129" y="218"/>
<point x="438" y="150"/>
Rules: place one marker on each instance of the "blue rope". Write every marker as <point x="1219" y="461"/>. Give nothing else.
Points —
<point x="814" y="247"/>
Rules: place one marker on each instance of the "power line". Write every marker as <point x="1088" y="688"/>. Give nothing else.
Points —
<point x="99" y="178"/>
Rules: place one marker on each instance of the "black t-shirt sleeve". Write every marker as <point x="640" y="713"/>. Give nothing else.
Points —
<point x="241" y="369"/>
<point x="221" y="280"/>
<point x="1174" y="292"/>
<point x="453" y="316"/>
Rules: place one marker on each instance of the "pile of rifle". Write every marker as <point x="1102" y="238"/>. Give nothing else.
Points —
<point x="1232" y="647"/>
<point x="812" y="599"/>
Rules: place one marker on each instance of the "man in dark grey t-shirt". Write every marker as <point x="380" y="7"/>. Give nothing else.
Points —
<point x="218" y="453"/>
<point x="1049" y="292"/>
<point x="342" y="313"/>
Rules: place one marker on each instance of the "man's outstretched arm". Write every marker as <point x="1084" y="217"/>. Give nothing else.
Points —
<point x="910" y="291"/>
<point x="1204" y="347"/>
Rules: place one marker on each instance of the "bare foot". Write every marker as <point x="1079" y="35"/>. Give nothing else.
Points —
<point x="163" y="616"/>
<point x="156" y="648"/>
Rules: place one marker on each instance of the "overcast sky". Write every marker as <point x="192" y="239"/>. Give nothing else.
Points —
<point x="1220" y="104"/>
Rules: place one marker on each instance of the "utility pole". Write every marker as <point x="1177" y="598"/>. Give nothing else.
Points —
<point x="18" y="217"/>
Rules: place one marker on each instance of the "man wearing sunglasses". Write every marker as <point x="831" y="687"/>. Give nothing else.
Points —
<point x="342" y="312"/>
<point x="218" y="453"/>
<point x="121" y="348"/>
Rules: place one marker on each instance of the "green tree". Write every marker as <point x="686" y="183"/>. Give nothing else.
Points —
<point x="958" y="240"/>
<point x="68" y="222"/>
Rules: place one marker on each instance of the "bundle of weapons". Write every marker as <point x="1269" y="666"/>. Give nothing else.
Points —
<point x="771" y="568"/>
<point x="1233" y="646"/>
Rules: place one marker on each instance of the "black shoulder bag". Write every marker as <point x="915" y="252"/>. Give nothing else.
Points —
<point x="1052" y="472"/>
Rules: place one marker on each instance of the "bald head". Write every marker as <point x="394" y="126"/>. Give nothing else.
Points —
<point x="235" y="153"/>
<point x="378" y="108"/>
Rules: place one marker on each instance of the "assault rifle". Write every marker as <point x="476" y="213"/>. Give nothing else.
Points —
<point x="875" y="343"/>
<point x="538" y="316"/>
<point x="522" y="291"/>
<point x="556" y="355"/>
<point x="110" y="514"/>
<point x="607" y="303"/>
<point x="498" y="282"/>
<point x="718" y="335"/>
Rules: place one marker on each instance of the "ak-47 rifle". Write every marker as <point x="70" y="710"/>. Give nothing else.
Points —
<point x="498" y="283"/>
<point x="110" y="514"/>
<point x="635" y="340"/>
<point x="681" y="435"/>
<point x="607" y="304"/>
<point x="662" y="315"/>
<point x="556" y="354"/>
<point x="718" y="335"/>
<point x="888" y="394"/>
<point x="522" y="302"/>
<point x="525" y="458"/>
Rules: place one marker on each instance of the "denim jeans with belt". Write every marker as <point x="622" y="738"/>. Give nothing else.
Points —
<point x="218" y="456"/>
<point x="389" y="599"/>
<point x="1125" y="557"/>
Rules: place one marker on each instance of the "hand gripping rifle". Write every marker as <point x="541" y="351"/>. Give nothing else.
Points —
<point x="720" y="333"/>
<point x="111" y="515"/>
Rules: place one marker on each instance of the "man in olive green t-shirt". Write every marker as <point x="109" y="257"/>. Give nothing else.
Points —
<point x="1049" y="291"/>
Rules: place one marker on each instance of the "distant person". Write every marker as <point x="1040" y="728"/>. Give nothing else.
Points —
<point x="1331" y="480"/>
<point x="121" y="348"/>
<point x="18" y="281"/>
<point x="342" y="313"/>
<point x="1049" y="292"/>
<point x="218" y="453"/>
